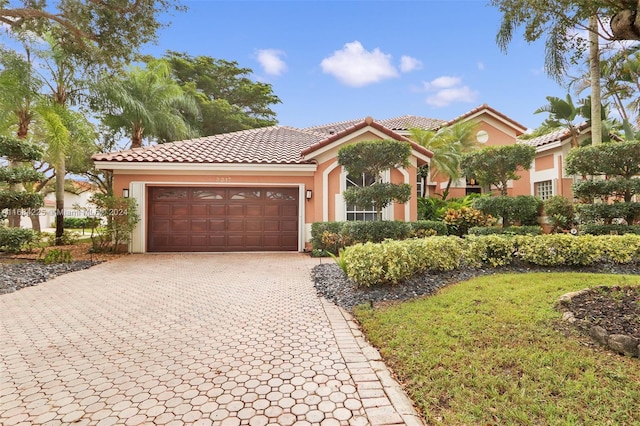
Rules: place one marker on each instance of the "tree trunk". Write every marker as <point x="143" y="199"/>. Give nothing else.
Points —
<point x="60" y="174"/>
<point x="136" y="137"/>
<point x="35" y="222"/>
<point x="594" y="67"/>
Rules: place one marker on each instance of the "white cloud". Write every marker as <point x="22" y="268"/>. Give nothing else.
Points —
<point x="354" y="66"/>
<point x="445" y="97"/>
<point x="443" y="82"/>
<point x="271" y="61"/>
<point x="408" y="64"/>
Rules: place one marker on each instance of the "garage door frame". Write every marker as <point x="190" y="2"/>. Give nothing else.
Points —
<point x="138" y="190"/>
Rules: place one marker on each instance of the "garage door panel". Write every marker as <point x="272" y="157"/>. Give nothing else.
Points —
<point x="222" y="219"/>
<point x="180" y="225"/>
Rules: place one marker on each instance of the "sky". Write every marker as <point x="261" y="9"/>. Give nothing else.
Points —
<point x="331" y="61"/>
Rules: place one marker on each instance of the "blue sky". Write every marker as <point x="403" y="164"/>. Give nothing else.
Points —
<point x="337" y="60"/>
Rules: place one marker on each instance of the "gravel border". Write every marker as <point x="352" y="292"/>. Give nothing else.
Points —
<point x="333" y="284"/>
<point x="14" y="276"/>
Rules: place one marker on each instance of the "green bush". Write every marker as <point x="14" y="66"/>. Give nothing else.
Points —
<point x="426" y="228"/>
<point x="560" y="212"/>
<point x="57" y="256"/>
<point x="460" y="221"/>
<point x="375" y="231"/>
<point x="509" y="230"/>
<point x="620" y="248"/>
<point x="607" y="212"/>
<point x="318" y="229"/>
<point x="522" y="209"/>
<point x="14" y="240"/>
<point x="609" y="229"/>
<point x="81" y="222"/>
<point x="494" y="250"/>
<point x="559" y="249"/>
<point x="393" y="261"/>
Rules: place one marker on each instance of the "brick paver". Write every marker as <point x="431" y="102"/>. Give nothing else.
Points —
<point x="211" y="339"/>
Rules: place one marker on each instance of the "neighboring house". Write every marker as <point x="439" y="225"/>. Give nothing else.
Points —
<point x="76" y="204"/>
<point x="547" y="176"/>
<point x="261" y="189"/>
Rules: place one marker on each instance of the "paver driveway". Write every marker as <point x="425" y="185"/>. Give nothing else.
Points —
<point x="189" y="339"/>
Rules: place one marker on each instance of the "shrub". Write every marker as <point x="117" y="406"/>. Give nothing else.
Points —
<point x="15" y="240"/>
<point x="459" y="221"/>
<point x="427" y="228"/>
<point x="318" y="229"/>
<point x="375" y="231"/>
<point x="522" y="209"/>
<point x="559" y="249"/>
<point x="607" y="212"/>
<point x="609" y="229"/>
<point x="122" y="217"/>
<point x="494" y="250"/>
<point x="80" y="222"/>
<point x="393" y="261"/>
<point x="509" y="230"/>
<point x="560" y="212"/>
<point x="57" y="256"/>
<point x="620" y="248"/>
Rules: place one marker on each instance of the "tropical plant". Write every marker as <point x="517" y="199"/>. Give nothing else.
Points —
<point x="146" y="103"/>
<point x="448" y="145"/>
<point x="562" y="113"/>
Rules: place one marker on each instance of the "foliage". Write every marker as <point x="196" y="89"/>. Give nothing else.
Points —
<point x="459" y="221"/>
<point x="16" y="150"/>
<point x="560" y="212"/>
<point x="340" y="260"/>
<point x="371" y="158"/>
<point x="447" y="144"/>
<point x="122" y="217"/>
<point x="559" y="249"/>
<point x="14" y="240"/>
<point x="593" y="229"/>
<point x="13" y="175"/>
<point x="57" y="256"/>
<point x="19" y="150"/>
<point x="487" y="351"/>
<point x="109" y="32"/>
<point x="227" y="98"/>
<point x="611" y="159"/>
<point x="427" y="228"/>
<point x="147" y="103"/>
<point x="331" y="237"/>
<point x="15" y="200"/>
<point x="393" y="261"/>
<point x="492" y="250"/>
<point x="509" y="230"/>
<point x="562" y="113"/>
<point x="595" y="213"/>
<point x="496" y="165"/>
<point x="522" y="209"/>
<point x="430" y="208"/>
<point x="81" y="222"/>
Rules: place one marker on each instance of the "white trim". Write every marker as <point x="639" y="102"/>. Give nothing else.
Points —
<point x="138" y="190"/>
<point x="161" y="167"/>
<point x="407" y="210"/>
<point x="325" y="191"/>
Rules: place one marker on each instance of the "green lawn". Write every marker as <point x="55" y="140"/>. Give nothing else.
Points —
<point x="486" y="351"/>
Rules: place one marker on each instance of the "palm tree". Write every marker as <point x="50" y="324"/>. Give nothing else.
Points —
<point x="147" y="104"/>
<point x="448" y="144"/>
<point x="562" y="112"/>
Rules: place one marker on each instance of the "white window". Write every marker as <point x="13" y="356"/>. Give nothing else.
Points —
<point x="355" y="212"/>
<point x="544" y="189"/>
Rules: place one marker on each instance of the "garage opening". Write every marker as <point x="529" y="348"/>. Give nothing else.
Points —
<point x="203" y="219"/>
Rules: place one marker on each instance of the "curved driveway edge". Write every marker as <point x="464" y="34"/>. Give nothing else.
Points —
<point x="224" y="339"/>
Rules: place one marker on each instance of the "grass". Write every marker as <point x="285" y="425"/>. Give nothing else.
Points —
<point x="489" y="351"/>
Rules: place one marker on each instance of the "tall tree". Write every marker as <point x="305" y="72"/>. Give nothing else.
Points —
<point x="107" y="31"/>
<point x="146" y="103"/>
<point x="228" y="99"/>
<point x="448" y="145"/>
<point x="562" y="113"/>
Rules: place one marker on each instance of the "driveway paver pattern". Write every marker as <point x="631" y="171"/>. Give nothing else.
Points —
<point x="210" y="339"/>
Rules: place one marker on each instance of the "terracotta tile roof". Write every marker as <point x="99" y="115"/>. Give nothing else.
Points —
<point x="364" y="123"/>
<point x="266" y="145"/>
<point x="488" y="108"/>
<point x="553" y="136"/>
<point x="402" y="123"/>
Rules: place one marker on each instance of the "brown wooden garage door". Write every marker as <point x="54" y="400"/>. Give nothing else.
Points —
<point x="222" y="219"/>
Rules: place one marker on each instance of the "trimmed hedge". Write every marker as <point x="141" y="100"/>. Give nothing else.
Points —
<point x="509" y="230"/>
<point x="332" y="236"/>
<point x="522" y="208"/>
<point x="607" y="212"/>
<point x="609" y="229"/>
<point x="391" y="262"/>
